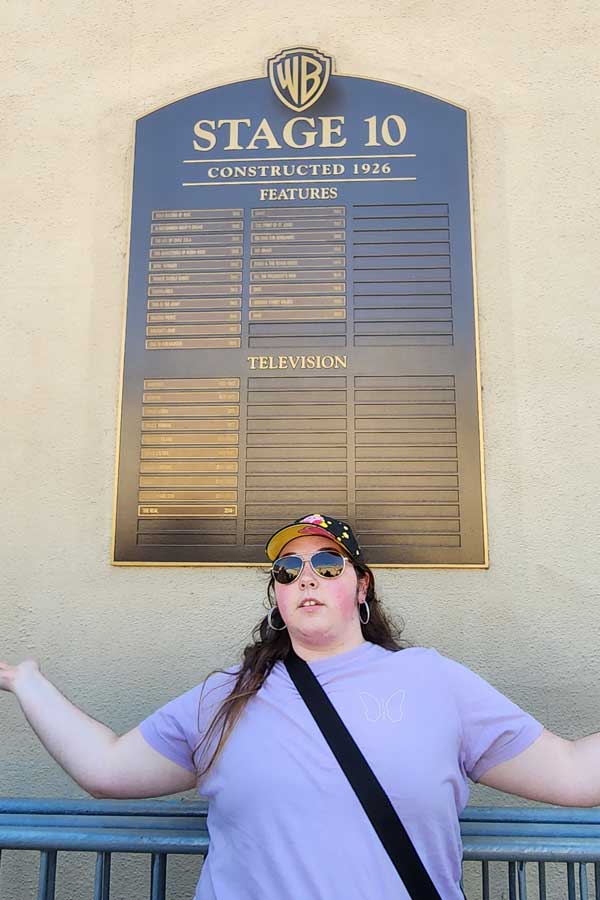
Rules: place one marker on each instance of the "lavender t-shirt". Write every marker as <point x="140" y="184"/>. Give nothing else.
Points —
<point x="284" y="821"/>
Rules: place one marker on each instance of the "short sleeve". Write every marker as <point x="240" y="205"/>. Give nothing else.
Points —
<point x="176" y="729"/>
<point x="494" y="729"/>
<point x="170" y="730"/>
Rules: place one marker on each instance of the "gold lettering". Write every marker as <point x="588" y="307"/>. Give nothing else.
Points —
<point x="309" y="136"/>
<point x="302" y="193"/>
<point x="264" y="132"/>
<point x="299" y="132"/>
<point x="233" y="131"/>
<point x="310" y="81"/>
<point x="287" y="76"/>
<point x="313" y="361"/>
<point x="329" y="129"/>
<point x="400" y="127"/>
<point x="204" y="134"/>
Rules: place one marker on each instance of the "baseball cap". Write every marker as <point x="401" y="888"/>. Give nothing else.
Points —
<point x="314" y="524"/>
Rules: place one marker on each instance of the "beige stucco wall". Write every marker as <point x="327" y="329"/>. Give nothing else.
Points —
<point x="121" y="641"/>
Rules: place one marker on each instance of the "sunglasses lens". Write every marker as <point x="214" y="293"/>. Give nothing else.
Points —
<point x="287" y="569"/>
<point x="327" y="563"/>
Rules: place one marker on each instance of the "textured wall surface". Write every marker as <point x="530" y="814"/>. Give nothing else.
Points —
<point x="121" y="641"/>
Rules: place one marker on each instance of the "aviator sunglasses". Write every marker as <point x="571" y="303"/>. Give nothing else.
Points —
<point x="324" y="563"/>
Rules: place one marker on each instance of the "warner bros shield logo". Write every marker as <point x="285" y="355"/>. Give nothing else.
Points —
<point x="299" y="76"/>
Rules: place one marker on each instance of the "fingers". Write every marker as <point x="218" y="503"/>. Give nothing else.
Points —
<point x="6" y="678"/>
<point x="9" y="674"/>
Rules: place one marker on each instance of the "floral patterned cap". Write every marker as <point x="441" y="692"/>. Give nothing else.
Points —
<point x="315" y="524"/>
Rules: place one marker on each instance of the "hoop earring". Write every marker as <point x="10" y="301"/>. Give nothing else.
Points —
<point x="363" y="621"/>
<point x="269" y="620"/>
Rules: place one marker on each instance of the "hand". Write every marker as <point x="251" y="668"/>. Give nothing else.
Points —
<point x="9" y="675"/>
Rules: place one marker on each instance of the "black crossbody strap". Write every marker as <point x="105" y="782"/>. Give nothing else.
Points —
<point x="373" y="798"/>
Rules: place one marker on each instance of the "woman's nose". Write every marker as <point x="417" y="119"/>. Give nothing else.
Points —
<point x="308" y="577"/>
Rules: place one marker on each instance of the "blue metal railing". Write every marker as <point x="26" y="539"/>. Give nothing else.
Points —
<point x="511" y="844"/>
<point x="154" y="827"/>
<point x="533" y="838"/>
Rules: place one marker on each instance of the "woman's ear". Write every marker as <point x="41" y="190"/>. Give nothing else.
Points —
<point x="363" y="586"/>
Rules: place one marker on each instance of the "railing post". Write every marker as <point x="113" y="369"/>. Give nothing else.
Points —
<point x="102" y="880"/>
<point x="542" y="880"/>
<point x="47" y="880"/>
<point x="512" y="881"/>
<point x="583" y="882"/>
<point x="571" y="890"/>
<point x="522" y="876"/>
<point x="485" y="880"/>
<point x="158" y="876"/>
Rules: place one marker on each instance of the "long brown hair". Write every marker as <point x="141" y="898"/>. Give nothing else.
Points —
<point x="269" y="646"/>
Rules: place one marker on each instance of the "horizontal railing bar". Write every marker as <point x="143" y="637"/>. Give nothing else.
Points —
<point x="188" y="808"/>
<point x="551" y="834"/>
<point x="160" y="823"/>
<point x="123" y="840"/>
<point x="89" y="807"/>
<point x="115" y="840"/>
<point x="526" y="829"/>
<point x="550" y="850"/>
<point x="198" y="823"/>
<point x="567" y="815"/>
<point x="187" y="824"/>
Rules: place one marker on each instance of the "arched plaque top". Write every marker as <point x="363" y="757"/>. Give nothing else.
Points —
<point x="334" y="75"/>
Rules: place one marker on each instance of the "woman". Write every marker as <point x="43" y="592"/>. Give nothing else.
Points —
<point x="284" y="821"/>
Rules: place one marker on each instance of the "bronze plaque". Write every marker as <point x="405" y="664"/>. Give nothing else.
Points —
<point x="301" y="327"/>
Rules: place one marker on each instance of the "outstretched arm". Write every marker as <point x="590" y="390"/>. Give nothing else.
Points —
<point x="102" y="763"/>
<point x="552" y="770"/>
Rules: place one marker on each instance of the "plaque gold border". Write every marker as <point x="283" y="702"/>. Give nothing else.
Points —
<point x="486" y="562"/>
<point x="130" y="169"/>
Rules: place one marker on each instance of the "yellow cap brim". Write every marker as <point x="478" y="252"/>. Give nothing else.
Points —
<point x="303" y="529"/>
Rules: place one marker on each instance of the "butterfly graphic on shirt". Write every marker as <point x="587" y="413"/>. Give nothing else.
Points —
<point x="375" y="708"/>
